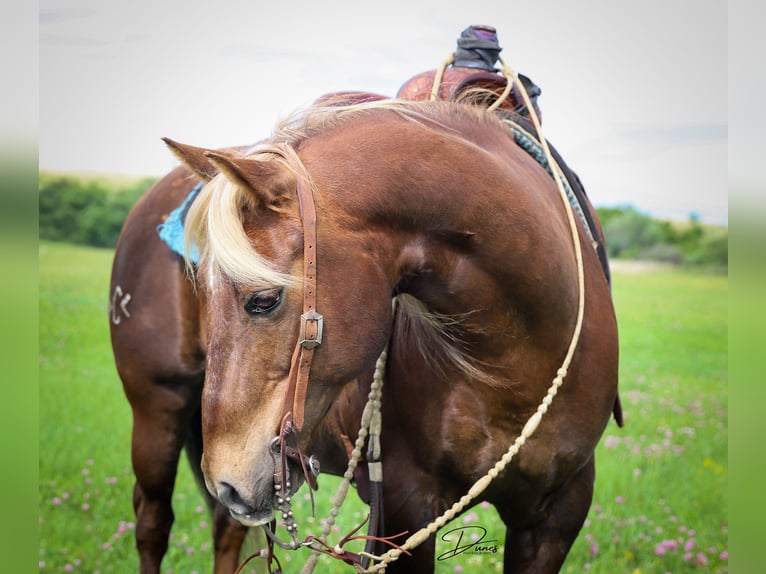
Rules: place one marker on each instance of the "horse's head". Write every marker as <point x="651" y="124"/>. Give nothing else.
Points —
<point x="272" y="282"/>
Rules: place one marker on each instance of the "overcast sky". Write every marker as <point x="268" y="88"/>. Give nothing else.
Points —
<point x="634" y="93"/>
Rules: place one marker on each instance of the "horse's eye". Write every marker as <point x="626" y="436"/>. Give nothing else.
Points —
<point x="263" y="301"/>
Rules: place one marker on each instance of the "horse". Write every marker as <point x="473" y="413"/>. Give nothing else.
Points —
<point x="304" y="240"/>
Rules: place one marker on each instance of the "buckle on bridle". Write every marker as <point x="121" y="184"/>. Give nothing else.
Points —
<point x="311" y="330"/>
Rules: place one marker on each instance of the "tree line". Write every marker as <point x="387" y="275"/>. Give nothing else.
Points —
<point x="91" y="211"/>
<point x="631" y="234"/>
<point x="86" y="211"/>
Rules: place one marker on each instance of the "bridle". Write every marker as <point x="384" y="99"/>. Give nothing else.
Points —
<point x="293" y="411"/>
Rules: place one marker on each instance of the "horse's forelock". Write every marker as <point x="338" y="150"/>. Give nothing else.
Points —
<point x="214" y="223"/>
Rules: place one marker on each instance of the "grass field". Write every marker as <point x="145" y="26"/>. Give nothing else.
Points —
<point x="661" y="498"/>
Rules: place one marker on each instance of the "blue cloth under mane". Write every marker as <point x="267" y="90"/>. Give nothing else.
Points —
<point x="172" y="230"/>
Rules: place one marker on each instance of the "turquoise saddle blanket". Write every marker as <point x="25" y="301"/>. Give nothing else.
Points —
<point x="172" y="230"/>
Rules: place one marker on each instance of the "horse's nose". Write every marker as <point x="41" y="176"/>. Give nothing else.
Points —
<point x="229" y="496"/>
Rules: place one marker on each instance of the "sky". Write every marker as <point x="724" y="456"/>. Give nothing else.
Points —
<point x="634" y="94"/>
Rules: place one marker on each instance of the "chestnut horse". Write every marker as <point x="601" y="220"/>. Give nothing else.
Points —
<point x="307" y="238"/>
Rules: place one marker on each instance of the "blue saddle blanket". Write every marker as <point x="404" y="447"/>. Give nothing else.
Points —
<point x="172" y="230"/>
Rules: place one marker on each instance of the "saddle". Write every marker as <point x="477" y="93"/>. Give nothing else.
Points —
<point x="470" y="73"/>
<point x="460" y="83"/>
<point x="470" y="76"/>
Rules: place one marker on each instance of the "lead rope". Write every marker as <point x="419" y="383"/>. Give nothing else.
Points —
<point x="529" y="428"/>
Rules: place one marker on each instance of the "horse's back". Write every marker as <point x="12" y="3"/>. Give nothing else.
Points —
<point x="154" y="317"/>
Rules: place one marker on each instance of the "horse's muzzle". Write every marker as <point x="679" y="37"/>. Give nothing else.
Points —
<point x="241" y="510"/>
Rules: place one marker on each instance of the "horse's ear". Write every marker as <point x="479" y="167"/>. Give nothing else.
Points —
<point x="271" y="183"/>
<point x="194" y="158"/>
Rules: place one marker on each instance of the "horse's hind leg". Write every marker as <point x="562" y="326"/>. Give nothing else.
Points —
<point x="160" y="425"/>
<point x="228" y="534"/>
<point x="543" y="546"/>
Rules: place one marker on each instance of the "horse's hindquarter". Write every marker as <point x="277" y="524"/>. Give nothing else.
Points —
<point x="464" y="427"/>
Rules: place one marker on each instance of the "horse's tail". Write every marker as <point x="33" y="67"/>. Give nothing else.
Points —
<point x="436" y="338"/>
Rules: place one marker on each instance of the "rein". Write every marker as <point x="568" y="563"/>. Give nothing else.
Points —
<point x="532" y="423"/>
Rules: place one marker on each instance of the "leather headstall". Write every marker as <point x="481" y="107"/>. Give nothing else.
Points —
<point x="310" y="335"/>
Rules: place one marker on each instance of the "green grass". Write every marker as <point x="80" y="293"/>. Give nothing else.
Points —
<point x="661" y="481"/>
<point x="661" y="498"/>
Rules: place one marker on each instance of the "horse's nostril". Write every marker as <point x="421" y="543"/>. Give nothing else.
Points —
<point x="228" y="495"/>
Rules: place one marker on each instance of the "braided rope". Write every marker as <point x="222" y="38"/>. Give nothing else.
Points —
<point x="509" y="78"/>
<point x="438" y="76"/>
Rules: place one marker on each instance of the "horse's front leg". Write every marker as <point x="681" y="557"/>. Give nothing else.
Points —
<point x="543" y="546"/>
<point x="228" y="537"/>
<point x="159" y="430"/>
